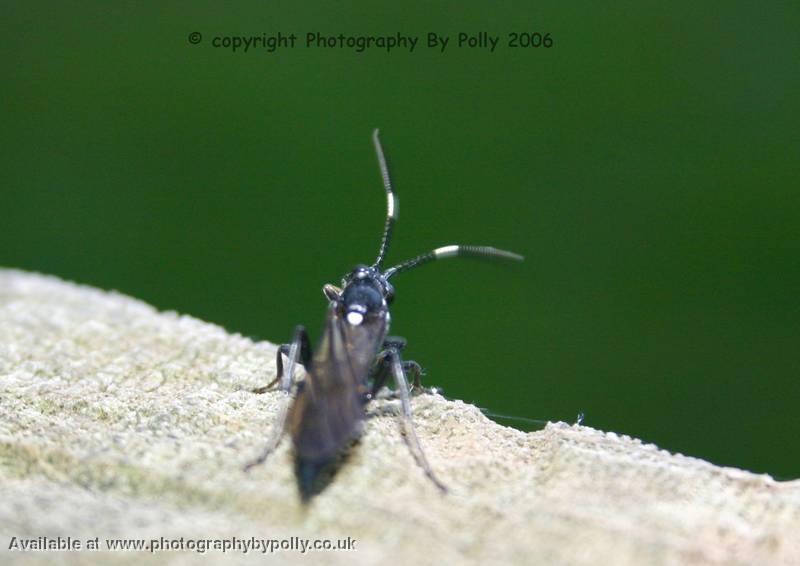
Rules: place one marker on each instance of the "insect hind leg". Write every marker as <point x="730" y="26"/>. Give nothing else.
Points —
<point x="300" y="347"/>
<point x="396" y="367"/>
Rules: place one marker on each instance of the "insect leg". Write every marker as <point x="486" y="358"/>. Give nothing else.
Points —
<point x="381" y="369"/>
<point x="394" y="343"/>
<point x="417" y="372"/>
<point x="381" y="373"/>
<point x="398" y="343"/>
<point x="408" y="424"/>
<point x="285" y="350"/>
<point x="300" y="346"/>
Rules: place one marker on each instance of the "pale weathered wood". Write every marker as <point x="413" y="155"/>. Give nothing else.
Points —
<point x="120" y="421"/>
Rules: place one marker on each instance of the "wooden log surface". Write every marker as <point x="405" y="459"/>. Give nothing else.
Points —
<point x="121" y="422"/>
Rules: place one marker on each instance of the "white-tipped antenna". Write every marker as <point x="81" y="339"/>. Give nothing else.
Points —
<point x="485" y="252"/>
<point x="482" y="252"/>
<point x="391" y="199"/>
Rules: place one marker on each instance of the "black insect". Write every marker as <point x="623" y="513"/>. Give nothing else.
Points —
<point x="353" y="361"/>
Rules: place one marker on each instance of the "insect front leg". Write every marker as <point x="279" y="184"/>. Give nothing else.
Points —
<point x="395" y="364"/>
<point x="300" y="347"/>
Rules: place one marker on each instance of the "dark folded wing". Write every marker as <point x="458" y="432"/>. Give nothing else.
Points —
<point x="329" y="409"/>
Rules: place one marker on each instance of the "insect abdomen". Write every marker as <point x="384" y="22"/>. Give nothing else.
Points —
<point x="322" y="427"/>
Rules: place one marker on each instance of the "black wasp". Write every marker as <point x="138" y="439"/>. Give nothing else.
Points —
<point x="353" y="361"/>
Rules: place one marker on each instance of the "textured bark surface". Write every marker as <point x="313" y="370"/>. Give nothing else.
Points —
<point x="117" y="420"/>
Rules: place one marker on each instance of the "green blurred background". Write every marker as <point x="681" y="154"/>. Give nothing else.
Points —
<point x="646" y="165"/>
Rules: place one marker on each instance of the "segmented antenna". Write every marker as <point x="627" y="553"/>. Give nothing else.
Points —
<point x="391" y="200"/>
<point x="484" y="252"/>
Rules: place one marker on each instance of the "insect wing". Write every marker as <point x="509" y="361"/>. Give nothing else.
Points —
<point x="329" y="408"/>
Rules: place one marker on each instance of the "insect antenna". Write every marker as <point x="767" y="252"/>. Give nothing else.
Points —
<point x="482" y="252"/>
<point x="391" y="200"/>
<point x="485" y="252"/>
